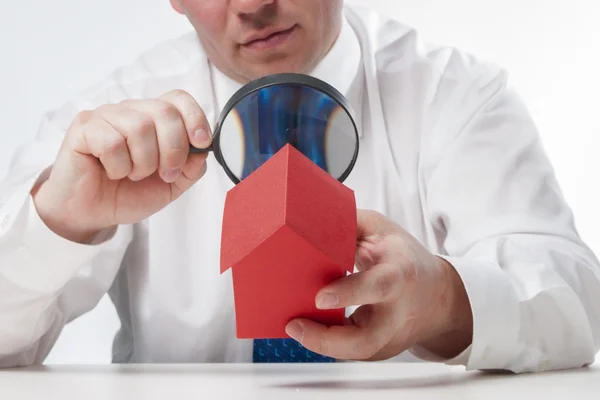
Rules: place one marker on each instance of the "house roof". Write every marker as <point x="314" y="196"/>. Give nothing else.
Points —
<point x="289" y="189"/>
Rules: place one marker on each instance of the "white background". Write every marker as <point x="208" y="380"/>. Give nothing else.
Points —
<point x="51" y="49"/>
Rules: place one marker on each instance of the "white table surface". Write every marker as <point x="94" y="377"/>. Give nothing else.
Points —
<point x="305" y="381"/>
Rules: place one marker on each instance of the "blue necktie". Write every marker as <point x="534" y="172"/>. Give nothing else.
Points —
<point x="277" y="121"/>
<point x="285" y="351"/>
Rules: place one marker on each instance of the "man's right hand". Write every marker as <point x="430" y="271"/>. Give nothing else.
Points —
<point x="121" y="163"/>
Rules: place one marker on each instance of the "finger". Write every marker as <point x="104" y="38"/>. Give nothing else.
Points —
<point x="379" y="284"/>
<point x="194" y="169"/>
<point x="171" y="136"/>
<point x="368" y="254"/>
<point x="356" y="341"/>
<point x="140" y="134"/>
<point x="370" y="223"/>
<point x="99" y="139"/>
<point x="197" y="126"/>
<point x="373" y="231"/>
<point x="369" y="233"/>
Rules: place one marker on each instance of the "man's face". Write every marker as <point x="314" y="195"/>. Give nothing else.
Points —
<point x="248" y="39"/>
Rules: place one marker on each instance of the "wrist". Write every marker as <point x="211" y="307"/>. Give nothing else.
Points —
<point x="459" y="316"/>
<point x="453" y="332"/>
<point x="58" y="218"/>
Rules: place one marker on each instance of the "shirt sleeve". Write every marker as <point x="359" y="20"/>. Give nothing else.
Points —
<point x="45" y="280"/>
<point x="494" y="200"/>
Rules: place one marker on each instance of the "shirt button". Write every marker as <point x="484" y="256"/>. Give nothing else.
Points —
<point x="4" y="220"/>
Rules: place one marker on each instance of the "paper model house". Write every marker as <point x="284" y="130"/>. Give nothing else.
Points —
<point x="289" y="229"/>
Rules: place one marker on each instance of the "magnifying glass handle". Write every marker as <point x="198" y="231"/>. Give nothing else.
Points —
<point x="196" y="150"/>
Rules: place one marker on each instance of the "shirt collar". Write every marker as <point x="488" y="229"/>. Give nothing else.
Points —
<point x="341" y="68"/>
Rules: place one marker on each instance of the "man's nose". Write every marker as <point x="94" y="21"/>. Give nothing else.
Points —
<point x="250" y="6"/>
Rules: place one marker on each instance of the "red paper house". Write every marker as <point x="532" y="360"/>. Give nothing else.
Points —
<point x="289" y="229"/>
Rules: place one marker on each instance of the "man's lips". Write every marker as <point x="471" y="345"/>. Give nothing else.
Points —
<point x="268" y="38"/>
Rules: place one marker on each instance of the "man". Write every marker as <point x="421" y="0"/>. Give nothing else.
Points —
<point x="467" y="253"/>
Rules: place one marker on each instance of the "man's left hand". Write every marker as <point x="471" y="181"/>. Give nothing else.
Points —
<point x="406" y="297"/>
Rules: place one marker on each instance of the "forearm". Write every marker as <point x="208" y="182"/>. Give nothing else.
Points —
<point x="38" y="269"/>
<point x="534" y="307"/>
<point x="503" y="224"/>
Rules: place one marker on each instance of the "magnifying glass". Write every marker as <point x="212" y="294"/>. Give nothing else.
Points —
<point x="271" y="112"/>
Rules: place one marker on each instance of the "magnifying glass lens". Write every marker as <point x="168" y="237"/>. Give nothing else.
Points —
<point x="265" y="120"/>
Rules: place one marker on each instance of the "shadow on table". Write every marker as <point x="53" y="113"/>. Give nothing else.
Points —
<point x="439" y="380"/>
<point x="386" y="384"/>
<point x="177" y="369"/>
<point x="340" y="381"/>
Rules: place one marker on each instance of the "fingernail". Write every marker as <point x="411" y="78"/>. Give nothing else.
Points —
<point x="327" y="300"/>
<point x="172" y="175"/>
<point x="202" y="136"/>
<point x="294" y="330"/>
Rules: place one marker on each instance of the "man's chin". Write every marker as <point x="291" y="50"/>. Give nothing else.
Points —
<point x="277" y="67"/>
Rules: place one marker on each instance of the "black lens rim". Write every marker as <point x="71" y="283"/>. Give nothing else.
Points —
<point x="273" y="80"/>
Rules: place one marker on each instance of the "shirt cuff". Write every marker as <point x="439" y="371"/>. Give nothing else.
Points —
<point x="41" y="260"/>
<point x="426" y="355"/>
<point x="495" y="307"/>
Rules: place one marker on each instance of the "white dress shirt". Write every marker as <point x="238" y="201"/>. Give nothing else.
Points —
<point x="447" y="150"/>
